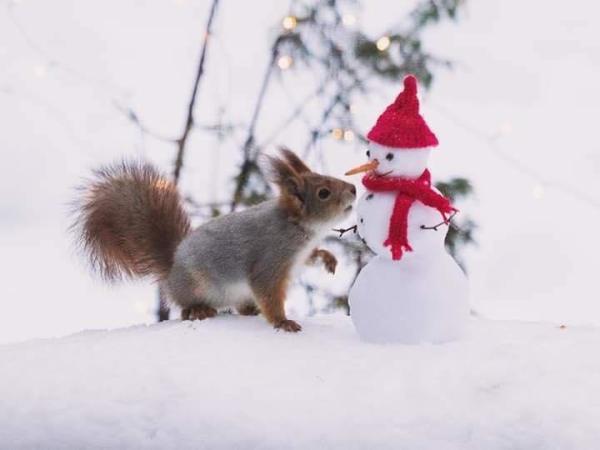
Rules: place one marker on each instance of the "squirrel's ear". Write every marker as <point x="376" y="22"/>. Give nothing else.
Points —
<point x="294" y="161"/>
<point x="284" y="176"/>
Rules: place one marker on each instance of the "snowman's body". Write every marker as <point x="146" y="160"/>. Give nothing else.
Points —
<point x="373" y="212"/>
<point x="423" y="296"/>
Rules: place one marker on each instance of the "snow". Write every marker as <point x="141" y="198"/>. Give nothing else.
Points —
<point x="65" y="64"/>
<point x="232" y="382"/>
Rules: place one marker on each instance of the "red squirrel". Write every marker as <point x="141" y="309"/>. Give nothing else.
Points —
<point x="130" y="222"/>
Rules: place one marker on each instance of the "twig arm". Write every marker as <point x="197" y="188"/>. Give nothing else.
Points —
<point x="445" y="222"/>
<point x="345" y="230"/>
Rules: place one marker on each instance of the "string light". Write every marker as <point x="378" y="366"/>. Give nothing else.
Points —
<point x="140" y="307"/>
<point x="164" y="185"/>
<point x="353" y="108"/>
<point x="337" y="134"/>
<point x="342" y="134"/>
<point x="383" y="43"/>
<point x="289" y="23"/>
<point x="505" y="129"/>
<point x="285" y="62"/>
<point x="40" y="71"/>
<point x="538" y="191"/>
<point x="349" y="20"/>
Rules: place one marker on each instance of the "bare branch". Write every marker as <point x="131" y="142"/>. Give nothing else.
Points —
<point x="190" y="113"/>
<point x="163" y="308"/>
<point x="248" y="162"/>
<point x="128" y="112"/>
<point x="295" y="113"/>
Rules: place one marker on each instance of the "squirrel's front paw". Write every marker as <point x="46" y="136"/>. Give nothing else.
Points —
<point x="288" y="325"/>
<point x="329" y="261"/>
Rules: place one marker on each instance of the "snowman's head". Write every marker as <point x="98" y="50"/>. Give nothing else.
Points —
<point x="395" y="162"/>
<point x="405" y="162"/>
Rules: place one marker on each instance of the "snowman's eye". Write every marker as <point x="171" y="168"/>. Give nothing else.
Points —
<point x="368" y="154"/>
<point x="389" y="156"/>
<point x="324" y="193"/>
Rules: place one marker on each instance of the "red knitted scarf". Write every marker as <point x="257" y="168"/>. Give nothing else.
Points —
<point x="407" y="191"/>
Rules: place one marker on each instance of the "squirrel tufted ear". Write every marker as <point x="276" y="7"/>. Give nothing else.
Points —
<point x="294" y="160"/>
<point x="283" y="175"/>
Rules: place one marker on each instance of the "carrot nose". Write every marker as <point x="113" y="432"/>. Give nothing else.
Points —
<point x="371" y="165"/>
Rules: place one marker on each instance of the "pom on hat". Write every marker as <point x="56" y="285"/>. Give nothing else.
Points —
<point x="401" y="125"/>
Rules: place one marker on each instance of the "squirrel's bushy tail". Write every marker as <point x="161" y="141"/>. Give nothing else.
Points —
<point x="129" y="221"/>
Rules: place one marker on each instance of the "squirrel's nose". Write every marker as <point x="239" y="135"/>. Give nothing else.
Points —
<point x="350" y="191"/>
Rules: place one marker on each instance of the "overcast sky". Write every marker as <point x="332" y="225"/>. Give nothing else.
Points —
<point x="516" y="115"/>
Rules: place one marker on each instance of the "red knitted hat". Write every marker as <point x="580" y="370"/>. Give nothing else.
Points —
<point x="401" y="125"/>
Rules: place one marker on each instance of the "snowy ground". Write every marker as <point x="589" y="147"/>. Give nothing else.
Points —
<point x="233" y="382"/>
<point x="524" y="88"/>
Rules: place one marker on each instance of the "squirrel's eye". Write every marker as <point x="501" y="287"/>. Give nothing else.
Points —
<point x="389" y="156"/>
<point x="368" y="153"/>
<point x="324" y="193"/>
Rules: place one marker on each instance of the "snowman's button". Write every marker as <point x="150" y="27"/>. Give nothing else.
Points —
<point x="362" y="220"/>
<point x="369" y="197"/>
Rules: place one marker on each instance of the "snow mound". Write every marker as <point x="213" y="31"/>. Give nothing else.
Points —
<point x="234" y="383"/>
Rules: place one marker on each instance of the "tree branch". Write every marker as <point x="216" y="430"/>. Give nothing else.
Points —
<point x="314" y="135"/>
<point x="247" y="163"/>
<point x="163" y="307"/>
<point x="190" y="113"/>
<point x="295" y="113"/>
<point x="131" y="115"/>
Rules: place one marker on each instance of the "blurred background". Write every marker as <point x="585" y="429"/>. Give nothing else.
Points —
<point x="201" y="87"/>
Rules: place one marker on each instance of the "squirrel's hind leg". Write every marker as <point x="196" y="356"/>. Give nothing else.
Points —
<point x="198" y="311"/>
<point x="248" y="308"/>
<point x="188" y="290"/>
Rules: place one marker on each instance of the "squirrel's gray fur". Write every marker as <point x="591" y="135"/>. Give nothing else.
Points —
<point x="131" y="223"/>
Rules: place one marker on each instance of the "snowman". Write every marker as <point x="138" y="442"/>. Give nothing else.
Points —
<point x="412" y="291"/>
